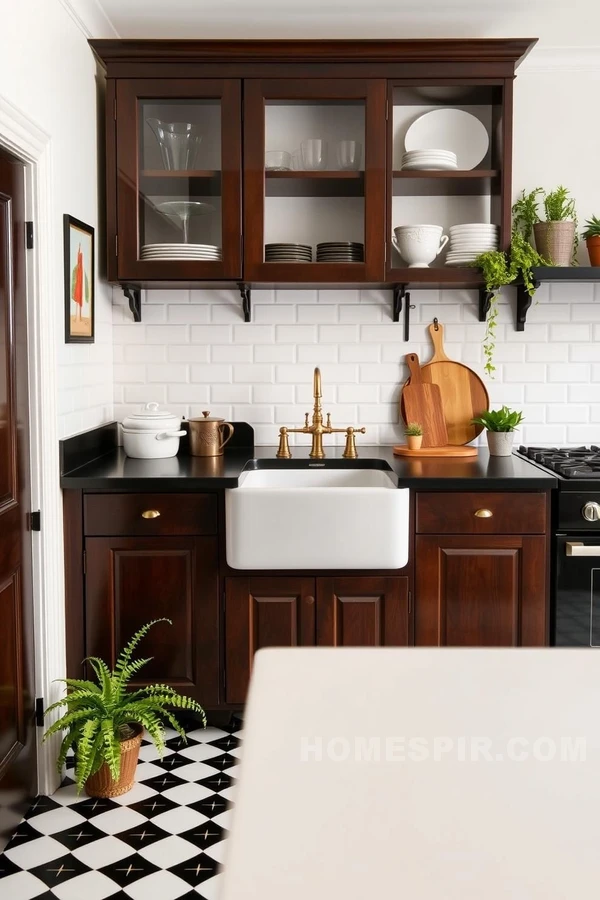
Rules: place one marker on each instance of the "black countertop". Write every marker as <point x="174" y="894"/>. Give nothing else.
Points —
<point x="113" y="471"/>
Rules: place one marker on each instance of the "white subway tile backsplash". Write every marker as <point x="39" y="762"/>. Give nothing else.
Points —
<point x="193" y="351"/>
<point x="188" y="393"/>
<point x="169" y="373"/>
<point x="211" y="374"/>
<point x="187" y="314"/>
<point x="231" y="393"/>
<point x="253" y="374"/>
<point x="317" y="353"/>
<point x="231" y="353"/>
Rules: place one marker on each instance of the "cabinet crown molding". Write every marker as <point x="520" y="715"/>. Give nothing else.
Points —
<point x="510" y="51"/>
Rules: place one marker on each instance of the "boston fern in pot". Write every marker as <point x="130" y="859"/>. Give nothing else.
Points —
<point x="104" y="722"/>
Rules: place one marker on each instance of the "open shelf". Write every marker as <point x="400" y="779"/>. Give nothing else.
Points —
<point x="567" y="273"/>
<point x="447" y="183"/>
<point x="443" y="276"/>
<point x="320" y="183"/>
<point x="191" y="182"/>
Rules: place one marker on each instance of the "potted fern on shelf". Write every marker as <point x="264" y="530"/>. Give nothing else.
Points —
<point x="556" y="238"/>
<point x="500" y="425"/>
<point x="104" y="722"/>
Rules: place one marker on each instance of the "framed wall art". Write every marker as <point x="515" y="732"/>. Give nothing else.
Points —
<point x="79" y="281"/>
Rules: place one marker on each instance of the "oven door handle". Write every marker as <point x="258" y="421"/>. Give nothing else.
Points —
<point x="577" y="548"/>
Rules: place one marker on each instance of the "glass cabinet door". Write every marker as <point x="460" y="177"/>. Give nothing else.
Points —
<point x="179" y="179"/>
<point x="314" y="180"/>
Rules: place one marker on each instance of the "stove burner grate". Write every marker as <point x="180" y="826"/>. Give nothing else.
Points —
<point x="570" y="462"/>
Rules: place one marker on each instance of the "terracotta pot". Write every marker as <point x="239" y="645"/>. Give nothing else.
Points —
<point x="500" y="443"/>
<point x="554" y="241"/>
<point x="414" y="441"/>
<point x="102" y="784"/>
<point x="593" y="246"/>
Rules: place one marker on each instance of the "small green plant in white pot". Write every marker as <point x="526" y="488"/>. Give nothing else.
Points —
<point x="414" y="435"/>
<point x="500" y="425"/>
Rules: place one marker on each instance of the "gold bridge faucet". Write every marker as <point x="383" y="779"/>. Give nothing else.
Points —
<point x="317" y="429"/>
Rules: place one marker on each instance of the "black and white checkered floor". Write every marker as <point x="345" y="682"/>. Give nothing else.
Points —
<point x="163" y="840"/>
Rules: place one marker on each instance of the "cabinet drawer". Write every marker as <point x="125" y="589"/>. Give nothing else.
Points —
<point x="135" y="514"/>
<point x="457" y="513"/>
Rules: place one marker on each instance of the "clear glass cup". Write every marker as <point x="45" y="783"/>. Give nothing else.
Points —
<point x="178" y="141"/>
<point x="278" y="160"/>
<point x="349" y="155"/>
<point x="314" y="154"/>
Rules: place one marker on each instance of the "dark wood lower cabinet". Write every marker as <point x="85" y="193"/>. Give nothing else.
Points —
<point x="131" y="580"/>
<point x="362" y="611"/>
<point x="481" y="591"/>
<point x="264" y="612"/>
<point x="286" y="611"/>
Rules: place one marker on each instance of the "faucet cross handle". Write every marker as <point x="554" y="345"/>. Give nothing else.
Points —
<point x="328" y="420"/>
<point x="306" y="415"/>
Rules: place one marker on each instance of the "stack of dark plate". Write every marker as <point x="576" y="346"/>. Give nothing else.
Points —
<point x="301" y="253"/>
<point x="340" y="252"/>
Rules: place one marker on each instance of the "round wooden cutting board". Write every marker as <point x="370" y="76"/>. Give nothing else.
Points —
<point x="464" y="394"/>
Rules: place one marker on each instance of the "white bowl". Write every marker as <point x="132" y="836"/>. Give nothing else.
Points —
<point x="418" y="245"/>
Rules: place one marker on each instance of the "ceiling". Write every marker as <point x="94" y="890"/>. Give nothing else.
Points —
<point x="555" y="22"/>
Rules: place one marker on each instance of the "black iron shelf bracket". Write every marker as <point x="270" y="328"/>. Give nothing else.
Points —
<point x="524" y="301"/>
<point x="400" y="294"/>
<point x="246" y="295"/>
<point x="134" y="295"/>
<point x="485" y="302"/>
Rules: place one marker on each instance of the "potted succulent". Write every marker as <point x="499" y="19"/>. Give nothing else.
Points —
<point x="104" y="722"/>
<point x="414" y="435"/>
<point x="592" y="239"/>
<point x="556" y="238"/>
<point x="500" y="425"/>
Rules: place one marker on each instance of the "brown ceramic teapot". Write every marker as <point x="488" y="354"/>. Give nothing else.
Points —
<point x="207" y="435"/>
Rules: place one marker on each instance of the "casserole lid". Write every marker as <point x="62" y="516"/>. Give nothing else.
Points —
<point x="152" y="419"/>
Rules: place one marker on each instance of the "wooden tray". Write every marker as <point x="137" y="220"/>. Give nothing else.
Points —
<point x="431" y="452"/>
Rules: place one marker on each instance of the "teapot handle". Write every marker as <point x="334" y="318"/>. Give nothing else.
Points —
<point x="229" y="436"/>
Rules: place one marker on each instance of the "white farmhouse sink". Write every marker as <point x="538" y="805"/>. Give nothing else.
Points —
<point x="317" y="518"/>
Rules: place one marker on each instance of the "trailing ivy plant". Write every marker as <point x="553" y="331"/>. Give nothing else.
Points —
<point x="100" y="713"/>
<point x="500" y="269"/>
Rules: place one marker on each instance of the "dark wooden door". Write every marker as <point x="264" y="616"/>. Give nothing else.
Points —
<point x="365" y="611"/>
<point x="264" y="101"/>
<point x="481" y="591"/>
<point x="151" y="174"/>
<point x="264" y="612"/>
<point x="17" y="723"/>
<point x="131" y="580"/>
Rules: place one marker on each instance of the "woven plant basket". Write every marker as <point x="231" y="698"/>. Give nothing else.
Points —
<point x="554" y="241"/>
<point x="102" y="783"/>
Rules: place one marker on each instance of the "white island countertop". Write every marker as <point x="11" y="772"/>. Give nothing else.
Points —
<point x="430" y="774"/>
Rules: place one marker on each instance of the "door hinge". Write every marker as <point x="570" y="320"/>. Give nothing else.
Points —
<point x="116" y="244"/>
<point x="29" y="235"/>
<point x="242" y="247"/>
<point x="115" y="109"/>
<point x="387" y="109"/>
<point x="84" y="561"/>
<point x="39" y="711"/>
<point x="409" y="602"/>
<point x="385" y="252"/>
<point x="35" y="521"/>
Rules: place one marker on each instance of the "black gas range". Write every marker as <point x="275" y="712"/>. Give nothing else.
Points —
<point x="576" y="576"/>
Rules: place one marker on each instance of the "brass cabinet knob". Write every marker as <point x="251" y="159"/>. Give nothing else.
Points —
<point x="484" y="513"/>
<point x="310" y="601"/>
<point x="150" y="514"/>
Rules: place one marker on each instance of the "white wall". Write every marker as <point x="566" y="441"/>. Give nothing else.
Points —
<point x="193" y="350"/>
<point x="48" y="72"/>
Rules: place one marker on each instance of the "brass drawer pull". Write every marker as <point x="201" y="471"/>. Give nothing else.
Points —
<point x="484" y="513"/>
<point x="150" y="514"/>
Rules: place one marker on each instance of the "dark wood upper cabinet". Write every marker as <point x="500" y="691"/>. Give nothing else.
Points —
<point x="322" y="196"/>
<point x="363" y="91"/>
<point x="178" y="168"/>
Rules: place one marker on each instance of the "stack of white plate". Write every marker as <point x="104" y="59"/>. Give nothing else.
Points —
<point x="340" y="251"/>
<point x="468" y="241"/>
<point x="288" y="253"/>
<point x="429" y="159"/>
<point x="203" y="252"/>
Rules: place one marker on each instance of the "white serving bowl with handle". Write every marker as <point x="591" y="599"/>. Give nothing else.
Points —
<point x="152" y="433"/>
<point x="418" y="245"/>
